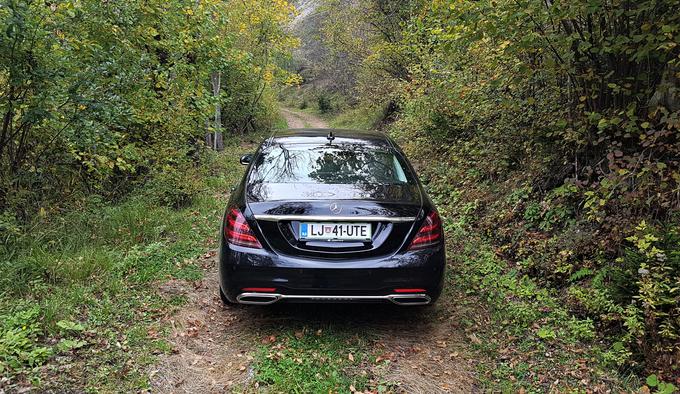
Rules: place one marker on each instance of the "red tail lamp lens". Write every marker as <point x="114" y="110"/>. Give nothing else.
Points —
<point x="259" y="289"/>
<point x="409" y="290"/>
<point x="430" y="233"/>
<point x="238" y="231"/>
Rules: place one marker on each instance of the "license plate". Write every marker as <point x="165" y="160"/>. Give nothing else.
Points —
<point x="335" y="231"/>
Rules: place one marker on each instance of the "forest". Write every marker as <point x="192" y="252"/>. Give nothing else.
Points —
<point x="546" y="131"/>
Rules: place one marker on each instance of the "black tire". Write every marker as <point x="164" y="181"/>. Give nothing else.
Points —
<point x="224" y="299"/>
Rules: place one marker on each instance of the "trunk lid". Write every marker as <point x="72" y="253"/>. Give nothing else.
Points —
<point x="391" y="211"/>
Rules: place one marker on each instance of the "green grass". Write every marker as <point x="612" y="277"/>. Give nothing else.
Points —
<point x="311" y="363"/>
<point x="531" y="333"/>
<point x="280" y="123"/>
<point x="361" y="118"/>
<point x="99" y="266"/>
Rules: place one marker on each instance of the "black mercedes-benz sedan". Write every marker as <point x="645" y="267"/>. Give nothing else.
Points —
<point x="330" y="216"/>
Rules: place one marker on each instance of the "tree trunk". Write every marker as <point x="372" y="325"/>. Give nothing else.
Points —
<point x="218" y="142"/>
<point x="667" y="93"/>
<point x="208" y="134"/>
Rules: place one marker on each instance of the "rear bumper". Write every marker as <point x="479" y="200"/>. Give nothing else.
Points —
<point x="313" y="280"/>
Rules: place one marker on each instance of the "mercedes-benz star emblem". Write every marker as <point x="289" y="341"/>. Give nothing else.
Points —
<point x="335" y="208"/>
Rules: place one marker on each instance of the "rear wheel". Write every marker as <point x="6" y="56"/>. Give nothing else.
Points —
<point x="224" y="299"/>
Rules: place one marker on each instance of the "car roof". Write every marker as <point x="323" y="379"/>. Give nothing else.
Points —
<point x="341" y="136"/>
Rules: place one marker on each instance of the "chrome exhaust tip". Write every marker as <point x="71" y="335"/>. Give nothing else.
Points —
<point x="257" y="298"/>
<point x="409" y="299"/>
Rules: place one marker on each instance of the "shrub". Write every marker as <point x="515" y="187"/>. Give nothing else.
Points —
<point x="655" y="257"/>
<point x="20" y="333"/>
<point x="324" y="103"/>
<point x="175" y="188"/>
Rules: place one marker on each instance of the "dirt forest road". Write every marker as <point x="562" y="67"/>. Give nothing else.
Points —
<point x="214" y="348"/>
<point x="301" y="120"/>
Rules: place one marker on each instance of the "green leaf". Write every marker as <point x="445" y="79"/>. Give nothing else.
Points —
<point x="69" y="344"/>
<point x="546" y="333"/>
<point x="70" y="326"/>
<point x="667" y="388"/>
<point x="602" y="124"/>
<point x="652" y="381"/>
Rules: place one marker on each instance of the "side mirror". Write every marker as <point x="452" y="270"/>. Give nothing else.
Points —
<point x="246" y="159"/>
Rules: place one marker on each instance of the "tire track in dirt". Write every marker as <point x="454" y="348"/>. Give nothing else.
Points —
<point x="210" y="345"/>
<point x="301" y="120"/>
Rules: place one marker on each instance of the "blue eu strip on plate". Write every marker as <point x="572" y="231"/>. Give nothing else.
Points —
<point x="303" y="230"/>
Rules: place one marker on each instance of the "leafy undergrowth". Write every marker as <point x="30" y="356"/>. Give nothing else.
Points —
<point x="533" y="341"/>
<point x="79" y="303"/>
<point x="362" y="118"/>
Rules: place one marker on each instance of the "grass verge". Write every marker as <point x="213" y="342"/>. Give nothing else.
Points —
<point x="280" y="122"/>
<point x="527" y="338"/>
<point x="362" y="118"/>
<point x="79" y="300"/>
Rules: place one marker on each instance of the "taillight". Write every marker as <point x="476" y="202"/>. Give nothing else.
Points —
<point x="238" y="231"/>
<point x="430" y="233"/>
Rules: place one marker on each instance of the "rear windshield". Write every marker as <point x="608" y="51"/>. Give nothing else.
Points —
<point x="329" y="164"/>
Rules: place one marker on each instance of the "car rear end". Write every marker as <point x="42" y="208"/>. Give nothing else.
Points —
<point x="342" y="235"/>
